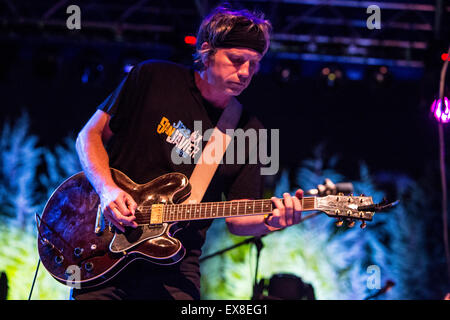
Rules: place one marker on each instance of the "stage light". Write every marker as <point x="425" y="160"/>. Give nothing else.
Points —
<point x="381" y="76"/>
<point x="191" y="40"/>
<point x="127" y="67"/>
<point x="130" y="60"/>
<point x="286" y="71"/>
<point x="326" y="71"/>
<point x="92" y="73"/>
<point x="442" y="114"/>
<point x="92" y="67"/>
<point x="285" y="74"/>
<point x="331" y="75"/>
<point x="85" y="75"/>
<point x="354" y="74"/>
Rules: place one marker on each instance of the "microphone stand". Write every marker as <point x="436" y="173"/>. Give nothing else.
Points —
<point x="257" y="287"/>
<point x="259" y="245"/>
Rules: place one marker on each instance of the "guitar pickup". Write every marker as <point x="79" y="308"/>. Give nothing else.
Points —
<point x="156" y="215"/>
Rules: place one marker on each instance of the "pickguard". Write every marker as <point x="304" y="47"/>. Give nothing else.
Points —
<point x="133" y="236"/>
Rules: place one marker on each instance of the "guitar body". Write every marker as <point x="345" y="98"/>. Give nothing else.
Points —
<point x="79" y="250"/>
<point x="77" y="254"/>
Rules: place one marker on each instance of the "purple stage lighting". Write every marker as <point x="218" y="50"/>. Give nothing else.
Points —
<point x="442" y="114"/>
<point x="127" y="68"/>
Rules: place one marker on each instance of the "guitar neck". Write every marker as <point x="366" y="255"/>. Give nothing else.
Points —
<point x="225" y="209"/>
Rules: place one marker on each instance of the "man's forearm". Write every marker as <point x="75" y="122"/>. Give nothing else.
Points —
<point x="94" y="160"/>
<point x="248" y="226"/>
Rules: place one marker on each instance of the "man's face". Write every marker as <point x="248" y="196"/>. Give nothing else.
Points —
<point x="231" y="70"/>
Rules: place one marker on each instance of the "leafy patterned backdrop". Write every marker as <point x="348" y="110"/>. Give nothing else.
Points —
<point x="335" y="261"/>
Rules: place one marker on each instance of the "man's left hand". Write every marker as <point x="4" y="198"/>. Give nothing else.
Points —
<point x="287" y="213"/>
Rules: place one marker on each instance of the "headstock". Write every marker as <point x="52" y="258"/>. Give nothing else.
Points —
<point x="349" y="208"/>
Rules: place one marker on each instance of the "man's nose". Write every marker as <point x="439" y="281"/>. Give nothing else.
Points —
<point x="244" y="70"/>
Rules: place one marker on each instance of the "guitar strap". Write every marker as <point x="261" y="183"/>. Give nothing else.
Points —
<point x="214" y="151"/>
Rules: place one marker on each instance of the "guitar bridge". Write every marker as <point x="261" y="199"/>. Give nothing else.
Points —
<point x="99" y="221"/>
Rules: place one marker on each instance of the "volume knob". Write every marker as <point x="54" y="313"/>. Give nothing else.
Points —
<point x="77" y="252"/>
<point x="89" y="266"/>
<point x="59" y="259"/>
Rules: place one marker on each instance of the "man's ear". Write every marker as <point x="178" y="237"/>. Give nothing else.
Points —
<point x="205" y="57"/>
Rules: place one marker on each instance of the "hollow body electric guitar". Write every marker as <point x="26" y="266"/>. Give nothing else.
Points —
<point x="79" y="248"/>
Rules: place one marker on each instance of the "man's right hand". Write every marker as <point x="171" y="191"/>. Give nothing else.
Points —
<point x="118" y="207"/>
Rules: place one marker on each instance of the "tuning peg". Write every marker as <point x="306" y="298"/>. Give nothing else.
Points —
<point x="363" y="225"/>
<point x="339" y="223"/>
<point x="351" y="224"/>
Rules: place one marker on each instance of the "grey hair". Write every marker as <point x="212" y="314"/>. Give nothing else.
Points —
<point x="215" y="27"/>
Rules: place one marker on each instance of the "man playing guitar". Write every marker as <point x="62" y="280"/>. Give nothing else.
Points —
<point x="126" y="132"/>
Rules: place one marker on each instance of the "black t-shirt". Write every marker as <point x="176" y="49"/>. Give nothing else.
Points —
<point x="153" y="95"/>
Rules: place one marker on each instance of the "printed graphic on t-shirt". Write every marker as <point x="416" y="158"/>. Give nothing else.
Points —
<point x="187" y="143"/>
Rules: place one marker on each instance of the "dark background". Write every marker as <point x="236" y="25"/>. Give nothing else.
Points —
<point x="384" y="124"/>
<point x="388" y="126"/>
<point x="59" y="76"/>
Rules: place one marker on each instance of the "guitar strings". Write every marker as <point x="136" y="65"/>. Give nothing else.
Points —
<point x="179" y="212"/>
<point x="208" y="203"/>
<point x="205" y="210"/>
<point x="224" y="203"/>
<point x="205" y="206"/>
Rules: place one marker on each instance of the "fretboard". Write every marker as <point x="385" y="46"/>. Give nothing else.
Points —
<point x="224" y="209"/>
